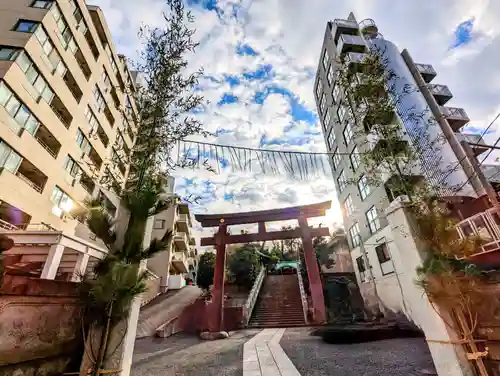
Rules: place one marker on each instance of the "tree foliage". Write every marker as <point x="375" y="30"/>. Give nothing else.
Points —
<point x="243" y="265"/>
<point x="206" y="268"/>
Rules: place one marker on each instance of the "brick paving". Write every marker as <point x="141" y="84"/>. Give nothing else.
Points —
<point x="396" y="357"/>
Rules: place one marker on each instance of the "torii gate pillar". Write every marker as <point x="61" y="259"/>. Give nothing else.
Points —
<point x="216" y="313"/>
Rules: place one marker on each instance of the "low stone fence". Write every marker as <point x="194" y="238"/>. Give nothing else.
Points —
<point x="40" y="326"/>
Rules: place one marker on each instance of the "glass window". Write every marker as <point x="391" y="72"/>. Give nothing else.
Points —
<point x="336" y="93"/>
<point x="336" y="159"/>
<point x="9" y="53"/>
<point x="348" y="134"/>
<point x="326" y="121"/>
<point x="384" y="258"/>
<point x="322" y="104"/>
<point x="22" y="115"/>
<point x="43" y="4"/>
<point x="106" y="80"/>
<point x="24" y="62"/>
<point x="319" y="89"/>
<point x="26" y="26"/>
<point x="83" y="142"/>
<point x="363" y="187"/>
<point x="348" y="206"/>
<point x="355" y="158"/>
<point x="360" y="263"/>
<point x="373" y="220"/>
<point x="31" y="74"/>
<point x="325" y="59"/>
<point x="99" y="99"/>
<point x="61" y="199"/>
<point x="12" y="106"/>
<point x="32" y="125"/>
<point x="342" y="182"/>
<point x="5" y="94"/>
<point x="330" y="75"/>
<point x="41" y="35"/>
<point x="331" y="139"/>
<point x="9" y="159"/>
<point x="71" y="167"/>
<point x="354" y="235"/>
<point x="341" y="110"/>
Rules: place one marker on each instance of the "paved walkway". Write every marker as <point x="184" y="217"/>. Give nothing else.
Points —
<point x="263" y="356"/>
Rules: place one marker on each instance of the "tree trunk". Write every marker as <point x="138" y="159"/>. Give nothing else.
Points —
<point x="103" y="346"/>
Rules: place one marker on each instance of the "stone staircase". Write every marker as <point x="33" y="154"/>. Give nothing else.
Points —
<point x="279" y="304"/>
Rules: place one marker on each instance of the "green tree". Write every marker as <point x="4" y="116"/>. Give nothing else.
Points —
<point x="163" y="102"/>
<point x="206" y="268"/>
<point x="243" y="265"/>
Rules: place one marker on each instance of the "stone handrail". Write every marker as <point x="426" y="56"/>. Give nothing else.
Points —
<point x="252" y="297"/>
<point x="303" y="295"/>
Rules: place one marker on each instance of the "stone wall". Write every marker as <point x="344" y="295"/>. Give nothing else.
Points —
<point x="40" y="326"/>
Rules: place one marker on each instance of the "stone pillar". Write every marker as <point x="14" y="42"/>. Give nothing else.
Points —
<point x="217" y="305"/>
<point x="315" y="285"/>
<point x="80" y="267"/>
<point x="408" y="253"/>
<point x="53" y="260"/>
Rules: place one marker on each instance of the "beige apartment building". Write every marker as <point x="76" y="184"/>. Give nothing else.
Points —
<point x="67" y="122"/>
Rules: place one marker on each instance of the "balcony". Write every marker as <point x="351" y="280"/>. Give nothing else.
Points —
<point x="486" y="227"/>
<point x="179" y="262"/>
<point x="73" y="86"/>
<point x="355" y="61"/>
<point x="82" y="63"/>
<point x="181" y="241"/>
<point x="31" y="175"/>
<point x="61" y="111"/>
<point x="441" y="93"/>
<point x="475" y="141"/>
<point x="47" y="141"/>
<point x="426" y="71"/>
<point x="183" y="223"/>
<point x="192" y="241"/>
<point x="457" y="117"/>
<point x="345" y="27"/>
<point x="350" y="43"/>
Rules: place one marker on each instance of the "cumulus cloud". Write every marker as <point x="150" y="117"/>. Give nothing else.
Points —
<point x="259" y="59"/>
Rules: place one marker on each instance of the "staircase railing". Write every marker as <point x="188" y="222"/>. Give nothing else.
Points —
<point x="303" y="295"/>
<point x="252" y="297"/>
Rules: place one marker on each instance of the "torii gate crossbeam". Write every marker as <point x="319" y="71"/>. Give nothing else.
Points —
<point x="223" y="238"/>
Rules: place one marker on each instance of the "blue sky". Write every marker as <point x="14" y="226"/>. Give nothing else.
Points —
<point x="260" y="57"/>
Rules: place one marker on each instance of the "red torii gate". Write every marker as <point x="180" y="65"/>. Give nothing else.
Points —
<point x="222" y="238"/>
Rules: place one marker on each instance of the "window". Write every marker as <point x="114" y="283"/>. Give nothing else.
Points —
<point x="336" y="159"/>
<point x="341" y="113"/>
<point x="384" y="258"/>
<point x="9" y="159"/>
<point x="355" y="158"/>
<point x="92" y="120"/>
<point x="342" y="182"/>
<point x="65" y="35"/>
<point x="330" y="75"/>
<point x="43" y="4"/>
<point x="50" y="51"/>
<point x="336" y="93"/>
<point x="9" y="53"/>
<point x="348" y="134"/>
<point x="72" y="167"/>
<point x="83" y="142"/>
<point x="34" y="77"/>
<point x="159" y="224"/>
<point x="322" y="104"/>
<point x="99" y="99"/>
<point x="77" y="13"/>
<point x="26" y="26"/>
<point x="348" y="206"/>
<point x="106" y="80"/>
<point x="361" y="268"/>
<point x="373" y="220"/>
<point x="325" y="59"/>
<point x="18" y="111"/>
<point x="364" y="188"/>
<point x="326" y="121"/>
<point x="331" y="138"/>
<point x="354" y="235"/>
<point x="319" y="89"/>
<point x="61" y="199"/>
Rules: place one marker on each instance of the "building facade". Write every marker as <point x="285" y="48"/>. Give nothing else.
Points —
<point x="67" y="126"/>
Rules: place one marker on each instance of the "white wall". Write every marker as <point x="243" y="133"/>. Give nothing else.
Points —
<point x="176" y="282"/>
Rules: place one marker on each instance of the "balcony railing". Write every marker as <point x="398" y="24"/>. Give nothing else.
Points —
<point x="350" y="43"/>
<point x="441" y="93"/>
<point x="33" y="185"/>
<point x="457" y="117"/>
<point x="49" y="150"/>
<point x="427" y="71"/>
<point x="485" y="226"/>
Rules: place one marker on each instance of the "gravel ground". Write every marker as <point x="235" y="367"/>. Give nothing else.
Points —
<point x="183" y="355"/>
<point x="395" y="357"/>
